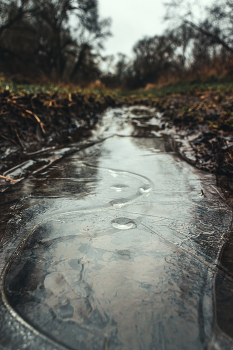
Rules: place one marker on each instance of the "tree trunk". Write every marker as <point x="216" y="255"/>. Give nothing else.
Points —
<point x="79" y="61"/>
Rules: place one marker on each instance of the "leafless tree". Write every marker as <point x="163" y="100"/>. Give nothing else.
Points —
<point x="217" y="25"/>
<point x="55" y="37"/>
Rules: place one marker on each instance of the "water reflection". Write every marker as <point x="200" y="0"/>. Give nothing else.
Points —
<point x="121" y="251"/>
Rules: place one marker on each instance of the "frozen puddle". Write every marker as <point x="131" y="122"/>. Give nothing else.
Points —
<point x="115" y="250"/>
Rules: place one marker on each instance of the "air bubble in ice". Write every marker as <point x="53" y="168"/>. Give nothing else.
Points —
<point x="123" y="224"/>
<point x="144" y="189"/>
<point x="119" y="187"/>
<point x="119" y="203"/>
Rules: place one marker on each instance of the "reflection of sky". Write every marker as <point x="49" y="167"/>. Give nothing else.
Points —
<point x="104" y="281"/>
<point x="132" y="20"/>
<point x="139" y="287"/>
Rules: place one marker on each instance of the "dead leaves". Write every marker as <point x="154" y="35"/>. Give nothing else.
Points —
<point x="29" y="117"/>
<point x="199" y="112"/>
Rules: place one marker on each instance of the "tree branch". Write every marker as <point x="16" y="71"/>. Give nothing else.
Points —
<point x="215" y="37"/>
<point x="16" y="18"/>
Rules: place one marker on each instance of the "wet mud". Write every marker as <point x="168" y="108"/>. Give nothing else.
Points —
<point x="115" y="243"/>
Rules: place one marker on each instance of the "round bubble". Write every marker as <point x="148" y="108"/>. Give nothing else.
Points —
<point x="123" y="223"/>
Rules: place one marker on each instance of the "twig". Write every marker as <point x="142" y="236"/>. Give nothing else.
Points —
<point x="7" y="138"/>
<point x="8" y="178"/>
<point x="21" y="143"/>
<point x="37" y="119"/>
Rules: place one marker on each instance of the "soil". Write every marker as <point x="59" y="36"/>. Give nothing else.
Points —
<point x="29" y="122"/>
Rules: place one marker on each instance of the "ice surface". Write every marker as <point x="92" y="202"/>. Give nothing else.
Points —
<point x="112" y="249"/>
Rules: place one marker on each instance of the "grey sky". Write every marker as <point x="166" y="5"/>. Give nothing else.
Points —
<point x="131" y="20"/>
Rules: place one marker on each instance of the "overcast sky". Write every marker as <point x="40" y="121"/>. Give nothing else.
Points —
<point x="131" y="20"/>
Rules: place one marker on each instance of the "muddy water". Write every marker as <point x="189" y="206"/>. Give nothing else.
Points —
<point x="115" y="246"/>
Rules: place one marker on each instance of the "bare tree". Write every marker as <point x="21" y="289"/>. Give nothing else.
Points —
<point x="154" y="56"/>
<point x="90" y="32"/>
<point x="12" y="11"/>
<point x="217" y="25"/>
<point x="55" y="37"/>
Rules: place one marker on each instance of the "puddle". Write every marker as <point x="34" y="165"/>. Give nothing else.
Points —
<point x="118" y="245"/>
